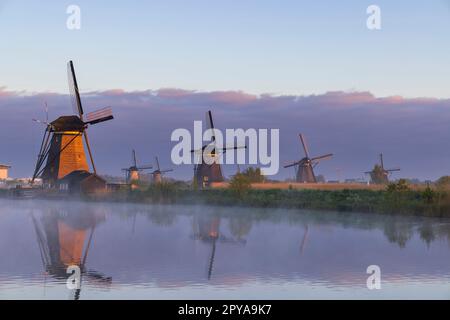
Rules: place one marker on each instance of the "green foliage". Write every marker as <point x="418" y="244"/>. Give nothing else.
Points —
<point x="195" y="183"/>
<point x="399" y="186"/>
<point x="240" y="185"/>
<point x="429" y="195"/>
<point x="397" y="199"/>
<point x="443" y="183"/>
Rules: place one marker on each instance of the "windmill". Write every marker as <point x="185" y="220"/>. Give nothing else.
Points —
<point x="157" y="174"/>
<point x="305" y="167"/>
<point x="133" y="173"/>
<point x="204" y="172"/>
<point x="62" y="150"/>
<point x="380" y="175"/>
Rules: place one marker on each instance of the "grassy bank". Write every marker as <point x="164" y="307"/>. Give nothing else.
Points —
<point x="394" y="199"/>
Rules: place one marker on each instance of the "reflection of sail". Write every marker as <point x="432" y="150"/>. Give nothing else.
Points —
<point x="207" y="229"/>
<point x="64" y="240"/>
<point x="304" y="240"/>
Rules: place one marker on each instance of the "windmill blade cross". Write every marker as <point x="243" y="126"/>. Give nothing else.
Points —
<point x="157" y="164"/>
<point x="134" y="158"/>
<point x="145" y="167"/>
<point x="210" y="122"/>
<point x="296" y="163"/>
<point x="88" y="145"/>
<point x="324" y="157"/>
<point x="382" y="161"/>
<point x="305" y="146"/>
<point x="98" y="116"/>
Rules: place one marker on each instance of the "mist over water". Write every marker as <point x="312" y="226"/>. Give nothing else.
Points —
<point x="133" y="251"/>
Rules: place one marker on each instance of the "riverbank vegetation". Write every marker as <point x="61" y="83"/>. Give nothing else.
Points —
<point x="396" y="198"/>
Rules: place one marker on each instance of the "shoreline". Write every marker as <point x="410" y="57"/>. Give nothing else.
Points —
<point x="426" y="203"/>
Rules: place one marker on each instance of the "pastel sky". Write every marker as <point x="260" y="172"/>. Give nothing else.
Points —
<point x="302" y="66"/>
<point x="258" y="46"/>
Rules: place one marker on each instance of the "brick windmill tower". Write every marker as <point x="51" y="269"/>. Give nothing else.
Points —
<point x="210" y="171"/>
<point x="305" y="167"/>
<point x="62" y="151"/>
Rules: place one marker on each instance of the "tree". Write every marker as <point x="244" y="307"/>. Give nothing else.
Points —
<point x="400" y="186"/>
<point x="443" y="183"/>
<point x="240" y="185"/>
<point x="254" y="175"/>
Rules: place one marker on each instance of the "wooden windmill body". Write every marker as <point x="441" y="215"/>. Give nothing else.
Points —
<point x="208" y="169"/>
<point x="66" y="148"/>
<point x="62" y="149"/>
<point x="305" y="167"/>
<point x="380" y="175"/>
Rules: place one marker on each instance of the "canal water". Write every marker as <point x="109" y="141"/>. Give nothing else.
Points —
<point x="197" y="252"/>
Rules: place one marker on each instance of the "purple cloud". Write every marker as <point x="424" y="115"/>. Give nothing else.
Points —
<point x="356" y="126"/>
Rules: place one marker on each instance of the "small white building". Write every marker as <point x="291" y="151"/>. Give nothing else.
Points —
<point x="4" y="169"/>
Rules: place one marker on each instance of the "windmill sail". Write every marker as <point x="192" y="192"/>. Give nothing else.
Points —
<point x="305" y="146"/>
<point x="74" y="92"/>
<point x="209" y="121"/>
<point x="98" y="116"/>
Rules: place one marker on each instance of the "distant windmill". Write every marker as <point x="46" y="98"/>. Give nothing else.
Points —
<point x="380" y="175"/>
<point x="62" y="150"/>
<point x="132" y="174"/>
<point x="205" y="173"/>
<point x="157" y="174"/>
<point x="305" y="167"/>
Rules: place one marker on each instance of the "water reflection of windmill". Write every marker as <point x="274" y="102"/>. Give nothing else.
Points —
<point x="62" y="150"/>
<point x="132" y="174"/>
<point x="304" y="240"/>
<point x="380" y="175"/>
<point x="64" y="240"/>
<point x="158" y="173"/>
<point x="305" y="167"/>
<point x="207" y="230"/>
<point x="207" y="169"/>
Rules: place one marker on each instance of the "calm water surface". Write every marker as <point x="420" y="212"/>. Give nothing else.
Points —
<point x="179" y="252"/>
